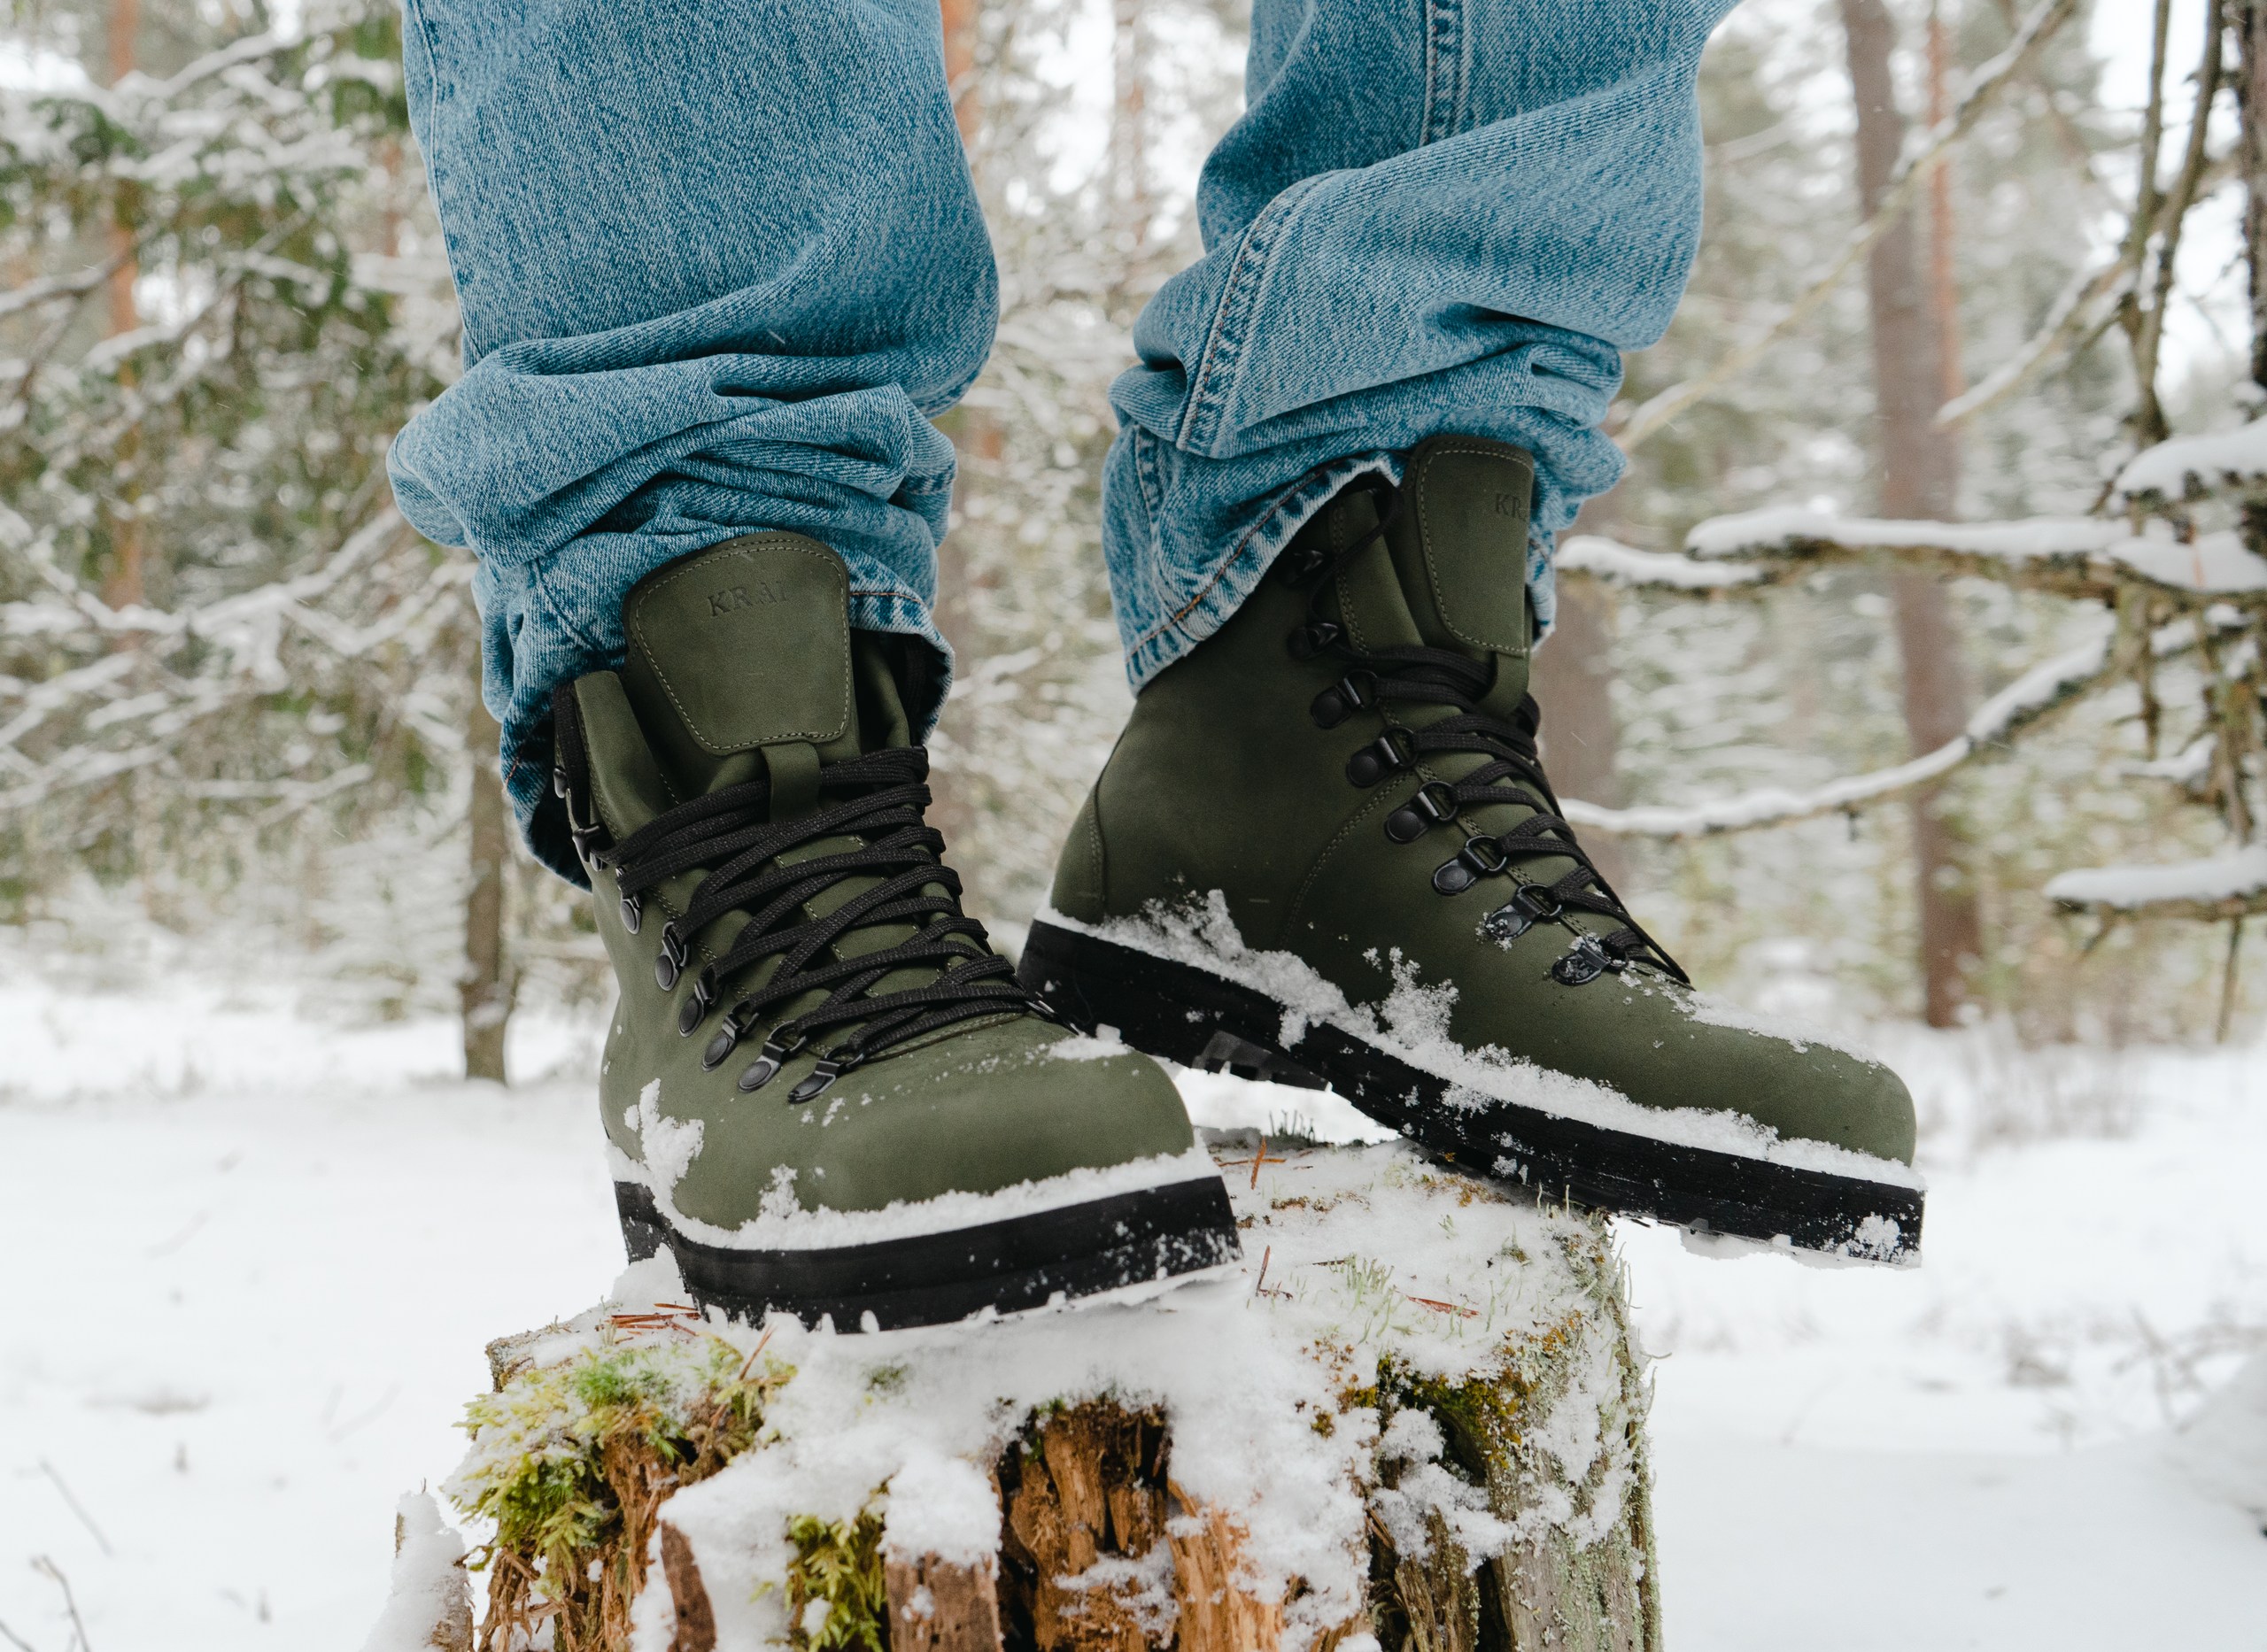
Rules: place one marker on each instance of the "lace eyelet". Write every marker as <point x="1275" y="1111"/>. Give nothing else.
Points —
<point x="779" y="1050"/>
<point x="1356" y="690"/>
<point x="1390" y="752"/>
<point x="1481" y="857"/>
<point x="1584" y="962"/>
<point x="695" y="1008"/>
<point x="1435" y="805"/>
<point x="1530" y="904"/>
<point x="669" y="963"/>
<point x="816" y="1081"/>
<point x="720" y="1047"/>
<point x="632" y="913"/>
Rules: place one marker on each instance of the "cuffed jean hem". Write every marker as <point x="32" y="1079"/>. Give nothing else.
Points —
<point x="1185" y="549"/>
<point x="533" y="616"/>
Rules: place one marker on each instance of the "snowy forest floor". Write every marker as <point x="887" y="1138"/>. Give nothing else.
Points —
<point x="253" y="1255"/>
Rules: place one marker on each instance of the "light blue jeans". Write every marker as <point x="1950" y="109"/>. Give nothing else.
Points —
<point x="721" y="262"/>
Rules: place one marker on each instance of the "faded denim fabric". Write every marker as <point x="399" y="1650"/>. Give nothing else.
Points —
<point x="720" y="263"/>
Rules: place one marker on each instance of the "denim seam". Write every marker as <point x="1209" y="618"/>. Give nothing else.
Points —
<point x="1289" y="501"/>
<point x="1444" y="77"/>
<point x="1210" y="388"/>
<point x="559" y="612"/>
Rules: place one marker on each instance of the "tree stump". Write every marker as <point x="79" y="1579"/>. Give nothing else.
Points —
<point x="1410" y="1421"/>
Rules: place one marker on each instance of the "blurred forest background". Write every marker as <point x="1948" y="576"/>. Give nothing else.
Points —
<point x="237" y="722"/>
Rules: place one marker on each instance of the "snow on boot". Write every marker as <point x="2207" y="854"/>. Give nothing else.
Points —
<point x="1325" y="853"/>
<point x="826" y="1093"/>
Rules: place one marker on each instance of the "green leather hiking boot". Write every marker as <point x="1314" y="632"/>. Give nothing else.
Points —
<point x="825" y="1092"/>
<point x="1324" y="853"/>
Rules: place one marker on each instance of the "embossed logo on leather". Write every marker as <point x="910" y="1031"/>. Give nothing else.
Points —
<point x="734" y="597"/>
<point x="1509" y="504"/>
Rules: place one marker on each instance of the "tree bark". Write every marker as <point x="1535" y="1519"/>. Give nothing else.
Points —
<point x="127" y="584"/>
<point x="1573" y="680"/>
<point x="2250" y="21"/>
<point x="486" y="988"/>
<point x="1920" y="477"/>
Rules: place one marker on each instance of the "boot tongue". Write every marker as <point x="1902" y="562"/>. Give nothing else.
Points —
<point x="739" y="662"/>
<point x="1459" y="555"/>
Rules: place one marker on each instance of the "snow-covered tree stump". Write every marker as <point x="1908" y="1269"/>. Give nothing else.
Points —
<point x="1412" y="1419"/>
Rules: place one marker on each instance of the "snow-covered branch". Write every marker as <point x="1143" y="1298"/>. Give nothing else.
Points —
<point x="2187" y="464"/>
<point x="2078" y="557"/>
<point x="2218" y="887"/>
<point x="2023" y="703"/>
<point x="1613" y="563"/>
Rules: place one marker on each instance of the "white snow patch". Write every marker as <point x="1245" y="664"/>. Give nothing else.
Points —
<point x="2224" y="1445"/>
<point x="781" y="1221"/>
<point x="2214" y="562"/>
<point x="942" y="1505"/>
<point x="1141" y="1586"/>
<point x="1620" y="565"/>
<point x="1412" y="1024"/>
<point x="644" y="1286"/>
<point x="1083" y="1048"/>
<point x="670" y="1145"/>
<point x="430" y="1589"/>
<point x="2239" y="454"/>
<point x="2217" y="877"/>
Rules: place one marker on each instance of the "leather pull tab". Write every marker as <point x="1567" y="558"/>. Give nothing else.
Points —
<point x="793" y="767"/>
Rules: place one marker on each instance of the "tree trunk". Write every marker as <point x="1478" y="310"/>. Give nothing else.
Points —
<point x="486" y="988"/>
<point x="1573" y="679"/>
<point x="1466" y="1472"/>
<point x="1920" y="477"/>
<point x="127" y="583"/>
<point x="2250" y="22"/>
<point x="975" y="435"/>
<point x="961" y="19"/>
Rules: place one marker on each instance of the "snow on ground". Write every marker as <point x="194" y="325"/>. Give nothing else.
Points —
<point x="254" y="1256"/>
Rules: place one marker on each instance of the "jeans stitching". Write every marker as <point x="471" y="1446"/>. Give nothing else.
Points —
<point x="1320" y="478"/>
<point x="1210" y="387"/>
<point x="1444" y="70"/>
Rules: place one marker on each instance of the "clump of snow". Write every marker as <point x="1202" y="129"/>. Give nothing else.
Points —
<point x="644" y="1286"/>
<point x="1423" y="1489"/>
<point x="942" y="1505"/>
<point x="1354" y="1258"/>
<point x="1086" y="1049"/>
<point x="669" y="1144"/>
<point x="2224" y="1444"/>
<point x="2230" y="876"/>
<point x="430" y="1599"/>
<point x="1412" y="1023"/>
<point x="1139" y="1586"/>
<point x="2238" y="455"/>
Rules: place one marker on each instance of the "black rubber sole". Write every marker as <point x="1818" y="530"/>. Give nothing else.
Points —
<point x="1198" y="1019"/>
<point x="935" y="1279"/>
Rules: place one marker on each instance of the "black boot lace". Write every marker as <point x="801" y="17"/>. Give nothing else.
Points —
<point x="1382" y="678"/>
<point x="877" y="800"/>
